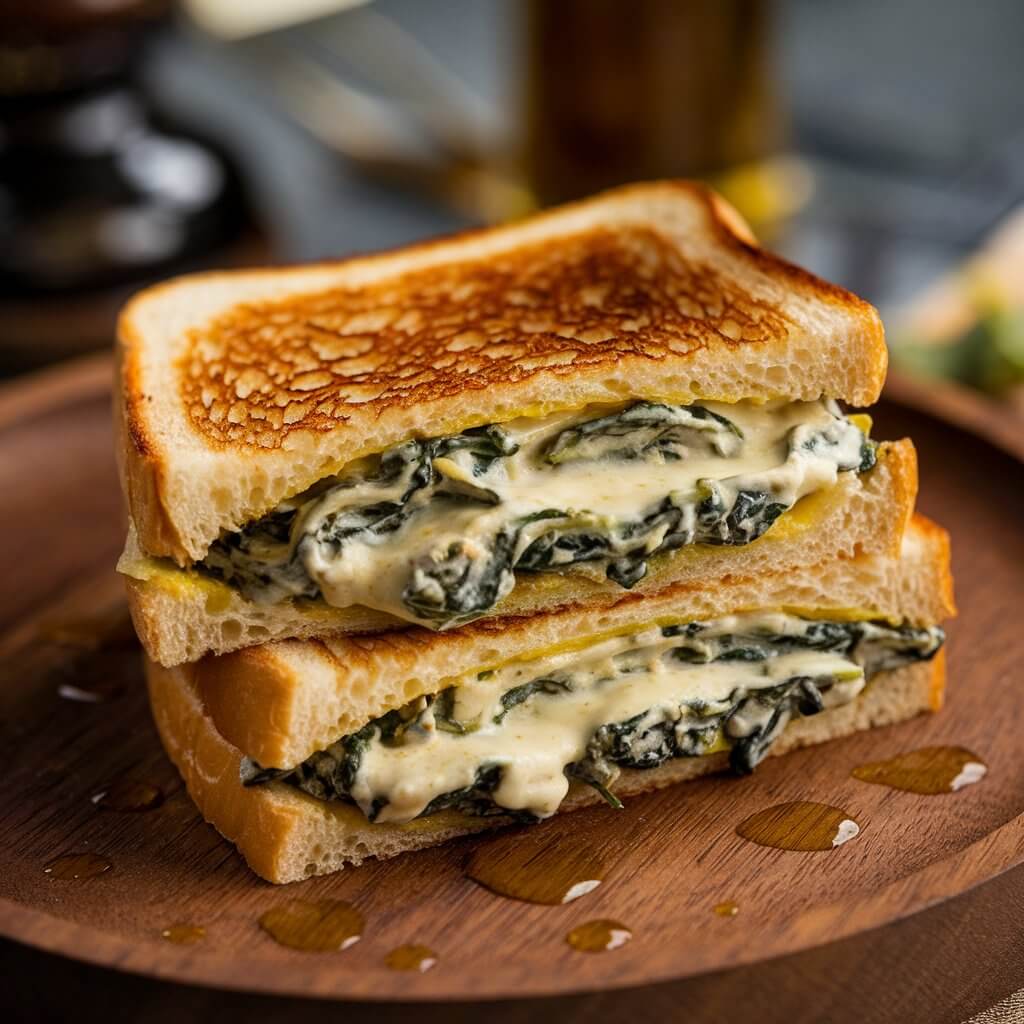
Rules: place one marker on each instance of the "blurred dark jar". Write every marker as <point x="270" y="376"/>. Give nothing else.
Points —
<point x="623" y="90"/>
<point x="96" y="193"/>
<point x="51" y="47"/>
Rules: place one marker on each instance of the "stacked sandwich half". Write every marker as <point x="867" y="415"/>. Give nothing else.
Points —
<point x="500" y="526"/>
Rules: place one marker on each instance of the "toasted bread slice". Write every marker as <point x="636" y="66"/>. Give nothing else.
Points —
<point x="181" y="616"/>
<point x="239" y="389"/>
<point x="285" y="835"/>
<point x="278" y="697"/>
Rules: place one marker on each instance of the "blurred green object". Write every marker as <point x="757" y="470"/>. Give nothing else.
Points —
<point x="989" y="356"/>
<point x="968" y="326"/>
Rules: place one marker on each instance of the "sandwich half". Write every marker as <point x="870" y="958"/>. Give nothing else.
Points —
<point x="617" y="396"/>
<point x="310" y="755"/>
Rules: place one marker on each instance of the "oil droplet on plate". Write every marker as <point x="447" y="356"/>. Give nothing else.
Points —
<point x="801" y="825"/>
<point x="321" y="926"/>
<point x="726" y="908"/>
<point x="128" y="795"/>
<point x="94" y="677"/>
<point x="184" y="934"/>
<point x="598" y="936"/>
<point x="929" y="771"/>
<point x="537" y="866"/>
<point x="77" y="866"/>
<point x="411" y="958"/>
<point x="97" y="691"/>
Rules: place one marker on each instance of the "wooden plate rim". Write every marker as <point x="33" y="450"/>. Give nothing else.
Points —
<point x="37" y="393"/>
<point x="978" y="863"/>
<point x="981" y="861"/>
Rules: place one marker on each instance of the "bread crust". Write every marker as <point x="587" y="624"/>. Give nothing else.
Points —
<point x="205" y="445"/>
<point x="181" y="617"/>
<point x="286" y="836"/>
<point x="936" y="587"/>
<point x="139" y="468"/>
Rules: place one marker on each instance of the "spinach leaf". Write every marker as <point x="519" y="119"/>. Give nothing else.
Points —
<point x="868" y="455"/>
<point x="771" y="709"/>
<point x="485" y="445"/>
<point x="252" y="774"/>
<point x="579" y="771"/>
<point x="463" y="583"/>
<point x="518" y="694"/>
<point x="477" y="799"/>
<point x="444" y="714"/>
<point x="748" y="517"/>
<point x="647" y="430"/>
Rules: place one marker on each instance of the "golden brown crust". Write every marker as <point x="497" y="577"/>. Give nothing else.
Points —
<point x="428" y="327"/>
<point x="903" y="468"/>
<point x="285" y="835"/>
<point x="261" y="695"/>
<point x="937" y="682"/>
<point x="937" y="538"/>
<point x="262" y="371"/>
<point x="139" y="466"/>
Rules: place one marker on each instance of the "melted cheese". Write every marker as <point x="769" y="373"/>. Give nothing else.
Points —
<point x="375" y="571"/>
<point x="535" y="740"/>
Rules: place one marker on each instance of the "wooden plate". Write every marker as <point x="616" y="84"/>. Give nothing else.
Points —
<point x="671" y="856"/>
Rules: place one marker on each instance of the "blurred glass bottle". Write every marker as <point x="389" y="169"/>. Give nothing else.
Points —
<point x="627" y="90"/>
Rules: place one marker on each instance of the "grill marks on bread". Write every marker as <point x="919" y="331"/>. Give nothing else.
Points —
<point x="262" y="370"/>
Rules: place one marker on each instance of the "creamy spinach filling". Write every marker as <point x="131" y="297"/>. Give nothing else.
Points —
<point x="434" y="531"/>
<point x="510" y="741"/>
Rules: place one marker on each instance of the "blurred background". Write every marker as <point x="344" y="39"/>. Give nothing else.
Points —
<point x="879" y="143"/>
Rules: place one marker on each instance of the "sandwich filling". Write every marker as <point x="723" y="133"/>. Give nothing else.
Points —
<point x="511" y="740"/>
<point x="434" y="531"/>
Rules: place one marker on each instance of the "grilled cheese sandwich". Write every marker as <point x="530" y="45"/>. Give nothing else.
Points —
<point x="536" y="415"/>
